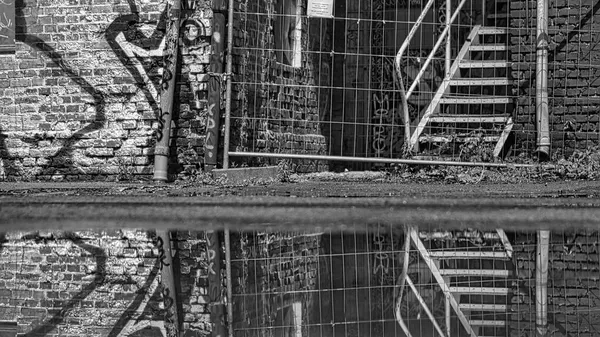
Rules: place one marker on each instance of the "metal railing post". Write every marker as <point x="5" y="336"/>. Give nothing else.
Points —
<point x="228" y="69"/>
<point x="448" y="62"/>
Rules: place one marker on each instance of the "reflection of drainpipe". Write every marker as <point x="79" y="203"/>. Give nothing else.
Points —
<point x="541" y="283"/>
<point x="167" y="93"/>
<point x="541" y="81"/>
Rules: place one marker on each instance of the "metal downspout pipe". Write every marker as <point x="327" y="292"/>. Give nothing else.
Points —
<point x="167" y="94"/>
<point x="541" y="82"/>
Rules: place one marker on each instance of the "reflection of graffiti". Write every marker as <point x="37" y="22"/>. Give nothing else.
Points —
<point x="128" y="325"/>
<point x="170" y="325"/>
<point x="217" y="311"/>
<point x="125" y="325"/>
<point x="99" y="279"/>
<point x="382" y="262"/>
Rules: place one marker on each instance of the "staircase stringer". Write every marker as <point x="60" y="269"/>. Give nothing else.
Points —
<point x="441" y="282"/>
<point x="431" y="108"/>
<point x="502" y="140"/>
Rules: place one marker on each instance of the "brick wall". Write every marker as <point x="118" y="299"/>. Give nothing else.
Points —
<point x="275" y="107"/>
<point x="573" y="87"/>
<point x="271" y="271"/>
<point x="78" y="97"/>
<point x="573" y="288"/>
<point x="99" y="283"/>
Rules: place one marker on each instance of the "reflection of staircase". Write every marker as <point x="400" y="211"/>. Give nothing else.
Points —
<point x="474" y="267"/>
<point x="472" y="103"/>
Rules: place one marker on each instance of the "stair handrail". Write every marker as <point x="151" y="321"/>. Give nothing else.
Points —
<point x="404" y="96"/>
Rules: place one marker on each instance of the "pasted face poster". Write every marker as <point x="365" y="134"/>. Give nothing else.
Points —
<point x="318" y="8"/>
<point x="7" y="25"/>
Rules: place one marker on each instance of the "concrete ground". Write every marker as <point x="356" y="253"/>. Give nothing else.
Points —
<point x="302" y="205"/>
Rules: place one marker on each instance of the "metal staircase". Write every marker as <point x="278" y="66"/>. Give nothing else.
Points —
<point x="473" y="270"/>
<point x="472" y="102"/>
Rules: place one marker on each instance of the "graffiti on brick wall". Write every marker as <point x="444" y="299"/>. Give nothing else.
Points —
<point x="387" y="127"/>
<point x="125" y="39"/>
<point x="126" y="42"/>
<point x="64" y="153"/>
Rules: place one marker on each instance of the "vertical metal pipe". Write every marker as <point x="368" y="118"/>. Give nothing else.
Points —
<point x="229" y="283"/>
<point x="448" y="37"/>
<point x="169" y="290"/>
<point x="541" y="80"/>
<point x="448" y="317"/>
<point x="228" y="70"/>
<point x="167" y="93"/>
<point x="541" y="283"/>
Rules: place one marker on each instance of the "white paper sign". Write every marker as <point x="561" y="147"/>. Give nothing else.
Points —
<point x="320" y="8"/>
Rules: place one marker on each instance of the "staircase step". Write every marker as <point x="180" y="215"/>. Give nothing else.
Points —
<point x="450" y="139"/>
<point x="491" y="30"/>
<point x="488" y="47"/>
<point x="475" y="272"/>
<point x="481" y="81"/>
<point x="448" y="235"/>
<point x="482" y="307"/>
<point x="479" y="290"/>
<point x="468" y="255"/>
<point x="476" y="100"/>
<point x="497" y="16"/>
<point x="483" y="64"/>
<point x="487" y="322"/>
<point x="469" y="119"/>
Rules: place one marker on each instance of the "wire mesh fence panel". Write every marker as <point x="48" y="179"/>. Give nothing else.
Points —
<point x="332" y="83"/>
<point x="385" y="280"/>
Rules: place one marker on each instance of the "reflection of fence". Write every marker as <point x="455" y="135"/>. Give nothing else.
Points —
<point x="340" y="97"/>
<point x="350" y="284"/>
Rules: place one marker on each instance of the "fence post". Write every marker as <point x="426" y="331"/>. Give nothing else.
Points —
<point x="228" y="70"/>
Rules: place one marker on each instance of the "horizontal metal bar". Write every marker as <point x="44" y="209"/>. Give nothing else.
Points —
<point x="374" y="160"/>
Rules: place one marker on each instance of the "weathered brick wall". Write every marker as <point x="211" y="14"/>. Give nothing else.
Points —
<point x="78" y="98"/>
<point x="271" y="271"/>
<point x="275" y="107"/>
<point x="99" y="283"/>
<point x="573" y="285"/>
<point x="573" y="85"/>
